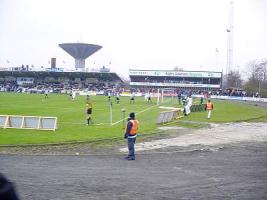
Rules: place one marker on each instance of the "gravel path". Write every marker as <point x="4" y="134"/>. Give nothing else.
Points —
<point x="216" y="135"/>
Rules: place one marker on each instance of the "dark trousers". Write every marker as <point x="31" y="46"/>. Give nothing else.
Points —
<point x="131" y="142"/>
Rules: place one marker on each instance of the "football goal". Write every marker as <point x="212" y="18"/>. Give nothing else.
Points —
<point x="166" y="96"/>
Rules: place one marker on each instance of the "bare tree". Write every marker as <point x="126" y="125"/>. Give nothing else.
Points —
<point x="233" y="79"/>
<point x="262" y="70"/>
<point x="257" y="71"/>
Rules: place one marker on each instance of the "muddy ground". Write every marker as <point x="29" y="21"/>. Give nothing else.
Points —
<point x="226" y="161"/>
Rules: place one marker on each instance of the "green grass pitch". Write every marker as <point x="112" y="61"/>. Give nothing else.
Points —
<point x="72" y="119"/>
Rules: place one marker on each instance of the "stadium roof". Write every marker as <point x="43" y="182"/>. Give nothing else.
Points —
<point x="80" y="50"/>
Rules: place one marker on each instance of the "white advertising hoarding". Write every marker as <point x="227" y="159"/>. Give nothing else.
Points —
<point x="175" y="73"/>
<point x="174" y="85"/>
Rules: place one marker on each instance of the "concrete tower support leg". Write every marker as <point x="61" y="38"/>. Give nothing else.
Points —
<point x="79" y="63"/>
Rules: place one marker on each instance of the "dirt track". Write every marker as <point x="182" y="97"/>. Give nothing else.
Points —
<point x="232" y="172"/>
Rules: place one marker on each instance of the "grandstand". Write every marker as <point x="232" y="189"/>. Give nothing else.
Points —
<point x="57" y="81"/>
<point x="194" y="80"/>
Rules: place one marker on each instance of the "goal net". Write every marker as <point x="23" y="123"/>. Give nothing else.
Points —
<point x="166" y="96"/>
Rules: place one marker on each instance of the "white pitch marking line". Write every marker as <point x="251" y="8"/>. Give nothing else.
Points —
<point x="82" y="123"/>
<point x="135" y="114"/>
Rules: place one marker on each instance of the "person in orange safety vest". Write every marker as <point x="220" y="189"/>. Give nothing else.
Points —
<point x="209" y="108"/>
<point x="130" y="135"/>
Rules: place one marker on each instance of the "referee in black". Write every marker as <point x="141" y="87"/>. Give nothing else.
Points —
<point x="88" y="111"/>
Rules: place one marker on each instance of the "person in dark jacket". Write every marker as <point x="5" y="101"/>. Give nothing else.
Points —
<point x="7" y="189"/>
<point x="201" y="100"/>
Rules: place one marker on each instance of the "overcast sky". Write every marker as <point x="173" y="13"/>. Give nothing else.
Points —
<point x="136" y="34"/>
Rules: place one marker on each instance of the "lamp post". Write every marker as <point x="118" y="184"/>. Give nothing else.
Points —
<point x="110" y="112"/>
<point x="123" y="118"/>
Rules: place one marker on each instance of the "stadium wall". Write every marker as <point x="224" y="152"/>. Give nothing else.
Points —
<point x="255" y="99"/>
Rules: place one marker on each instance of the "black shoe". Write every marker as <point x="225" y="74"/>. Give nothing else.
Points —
<point x="131" y="158"/>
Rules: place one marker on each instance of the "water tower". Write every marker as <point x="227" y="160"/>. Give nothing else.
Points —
<point x="80" y="51"/>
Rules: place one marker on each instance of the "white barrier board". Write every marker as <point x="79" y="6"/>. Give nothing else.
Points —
<point x="28" y="122"/>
